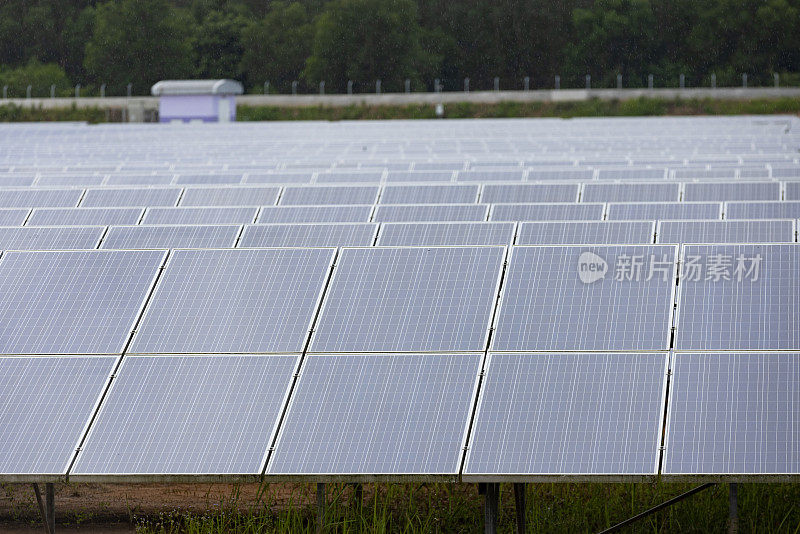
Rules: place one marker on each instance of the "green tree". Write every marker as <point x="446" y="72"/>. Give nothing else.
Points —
<point x="138" y="41"/>
<point x="276" y="47"/>
<point x="39" y="76"/>
<point x="218" y="45"/>
<point x="366" y="40"/>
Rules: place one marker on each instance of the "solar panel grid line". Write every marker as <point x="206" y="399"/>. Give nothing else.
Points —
<point x="546" y="416"/>
<point x="74" y="409"/>
<point x="732" y="370"/>
<point x="396" y="462"/>
<point x="199" y="475"/>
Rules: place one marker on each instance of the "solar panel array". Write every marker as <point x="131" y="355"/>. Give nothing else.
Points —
<point x="475" y="300"/>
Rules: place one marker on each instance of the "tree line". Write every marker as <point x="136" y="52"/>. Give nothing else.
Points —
<point x="138" y="42"/>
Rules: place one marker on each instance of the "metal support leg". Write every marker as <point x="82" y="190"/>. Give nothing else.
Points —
<point x="47" y="507"/>
<point x="490" y="508"/>
<point x="733" y="509"/>
<point x="519" y="504"/>
<point x="320" y="507"/>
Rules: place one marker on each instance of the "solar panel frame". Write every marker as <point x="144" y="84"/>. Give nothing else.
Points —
<point x="380" y="347"/>
<point x="161" y="476"/>
<point x="334" y="475"/>
<point x="51" y="475"/>
<point x="669" y="474"/>
<point x="469" y="475"/>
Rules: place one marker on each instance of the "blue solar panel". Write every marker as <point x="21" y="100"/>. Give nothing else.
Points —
<point x="733" y="414"/>
<point x="516" y="193"/>
<point x="650" y="192"/>
<point x="210" y="215"/>
<point x="279" y="178"/>
<point x="198" y="414"/>
<point x="84" y="216"/>
<point x="587" y="298"/>
<point x="139" y="179"/>
<point x="490" y="176"/>
<point x="430" y="194"/>
<point x="704" y="192"/>
<point x="419" y="176"/>
<point x="349" y="177"/>
<point x="632" y="174"/>
<point x="792" y="191"/>
<point x="171" y="236"/>
<point x="55" y="180"/>
<point x="314" y="214"/>
<point x="309" y="235"/>
<point x="39" y="198"/>
<point x="546" y="212"/>
<point x="230" y="196"/>
<point x="739" y="297"/>
<point x="50" y="237"/>
<point x="535" y="175"/>
<point x="562" y="414"/>
<point x="436" y="234"/>
<point x="430" y="212"/>
<point x="585" y="232"/>
<point x="73" y="302"/>
<point x="122" y="198"/>
<point x="644" y="211"/>
<point x="46" y="406"/>
<point x="247" y="301"/>
<point x="762" y="210"/>
<point x="378" y="414"/>
<point x="327" y="195"/>
<point x="409" y="299"/>
<point x="741" y="231"/>
<point x="13" y="217"/>
<point x="228" y="178"/>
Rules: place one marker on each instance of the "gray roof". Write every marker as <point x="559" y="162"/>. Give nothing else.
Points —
<point x="197" y="87"/>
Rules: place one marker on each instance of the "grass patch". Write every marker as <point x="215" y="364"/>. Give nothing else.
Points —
<point x="587" y="108"/>
<point x="15" y="113"/>
<point x="458" y="508"/>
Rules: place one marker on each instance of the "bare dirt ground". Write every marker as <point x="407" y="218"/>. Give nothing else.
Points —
<point x="114" y="507"/>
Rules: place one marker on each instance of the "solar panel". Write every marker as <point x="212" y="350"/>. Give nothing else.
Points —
<point x="419" y="176"/>
<point x="409" y="299"/>
<point x="37" y="198"/>
<point x="653" y="192"/>
<point x="205" y="215"/>
<point x="47" y="403"/>
<point x="122" y="198"/>
<point x="632" y="174"/>
<point x="69" y="179"/>
<point x="13" y="217"/>
<point x="229" y="196"/>
<point x="279" y="178"/>
<point x="585" y="232"/>
<point x="704" y="192"/>
<point x="378" y="414"/>
<point x="587" y="298"/>
<point x="562" y="414"/>
<point x="792" y="171"/>
<point x="309" y="235"/>
<point x="171" y="236"/>
<point x="535" y="175"/>
<point x="430" y="194"/>
<point x="327" y="195"/>
<point x="643" y="211"/>
<point x="84" y="216"/>
<point x="350" y="177"/>
<point x="487" y="175"/>
<point x="699" y="173"/>
<point x="139" y="179"/>
<point x="73" y="302"/>
<point x="231" y="178"/>
<point x="314" y="214"/>
<point x="50" y="237"/>
<point x="762" y="210"/>
<point x="16" y="180"/>
<point x="739" y="297"/>
<point x="792" y="191"/>
<point x="546" y="212"/>
<point x="247" y="301"/>
<point x="741" y="231"/>
<point x="196" y="414"/>
<point x="438" y="165"/>
<point x="733" y="414"/>
<point x="436" y="234"/>
<point x="430" y="212"/>
<point x="515" y="193"/>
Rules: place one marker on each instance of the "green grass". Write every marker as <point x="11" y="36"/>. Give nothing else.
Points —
<point x="14" y="113"/>
<point x="457" y="508"/>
